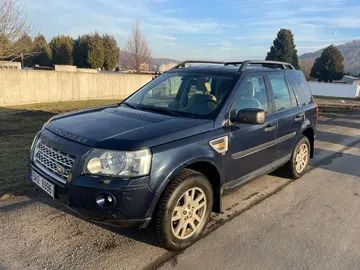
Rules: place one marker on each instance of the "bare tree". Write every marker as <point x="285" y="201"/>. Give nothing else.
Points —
<point x="137" y="51"/>
<point x="13" y="29"/>
<point x="305" y="66"/>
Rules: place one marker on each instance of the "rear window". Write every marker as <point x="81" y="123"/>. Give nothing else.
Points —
<point x="302" y="89"/>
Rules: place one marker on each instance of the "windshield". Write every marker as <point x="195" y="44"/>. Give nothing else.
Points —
<point x="183" y="94"/>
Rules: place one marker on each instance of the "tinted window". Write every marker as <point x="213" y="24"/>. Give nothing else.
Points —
<point x="303" y="90"/>
<point x="281" y="92"/>
<point x="251" y="94"/>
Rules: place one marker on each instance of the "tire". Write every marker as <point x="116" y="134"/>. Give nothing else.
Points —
<point x="175" y="230"/>
<point x="295" y="170"/>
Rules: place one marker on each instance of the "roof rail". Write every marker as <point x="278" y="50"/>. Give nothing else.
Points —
<point x="183" y="63"/>
<point x="246" y="63"/>
<point x="233" y="63"/>
<point x="243" y="64"/>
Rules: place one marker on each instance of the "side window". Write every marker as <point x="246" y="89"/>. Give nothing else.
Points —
<point x="281" y="92"/>
<point x="303" y="90"/>
<point x="251" y="94"/>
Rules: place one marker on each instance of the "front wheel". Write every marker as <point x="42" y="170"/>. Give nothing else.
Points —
<point x="183" y="210"/>
<point x="300" y="158"/>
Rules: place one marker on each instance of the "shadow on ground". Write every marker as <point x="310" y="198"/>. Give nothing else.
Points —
<point x="18" y="128"/>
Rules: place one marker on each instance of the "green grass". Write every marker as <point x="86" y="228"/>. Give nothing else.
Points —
<point x="19" y="125"/>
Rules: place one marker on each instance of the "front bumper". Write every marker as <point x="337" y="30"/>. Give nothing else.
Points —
<point x="133" y="204"/>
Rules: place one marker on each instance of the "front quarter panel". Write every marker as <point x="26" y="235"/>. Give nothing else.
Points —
<point x="169" y="159"/>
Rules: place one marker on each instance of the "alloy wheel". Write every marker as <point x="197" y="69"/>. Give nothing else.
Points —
<point x="189" y="213"/>
<point x="302" y="158"/>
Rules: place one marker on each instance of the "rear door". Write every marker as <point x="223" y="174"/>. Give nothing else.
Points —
<point x="251" y="146"/>
<point x="289" y="115"/>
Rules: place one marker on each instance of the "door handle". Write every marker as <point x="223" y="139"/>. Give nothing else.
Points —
<point x="269" y="128"/>
<point x="299" y="117"/>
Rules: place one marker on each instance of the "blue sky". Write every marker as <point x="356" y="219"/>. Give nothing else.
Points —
<point x="203" y="29"/>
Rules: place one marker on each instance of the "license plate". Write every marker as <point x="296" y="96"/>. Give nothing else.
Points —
<point x="45" y="185"/>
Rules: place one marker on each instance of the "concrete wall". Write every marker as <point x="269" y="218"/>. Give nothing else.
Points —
<point x="65" y="68"/>
<point x="335" y="89"/>
<point x="10" y="65"/>
<point x="87" y="70"/>
<point x="33" y="86"/>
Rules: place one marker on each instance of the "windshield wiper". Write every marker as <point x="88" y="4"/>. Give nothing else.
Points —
<point x="160" y="110"/>
<point x="129" y="105"/>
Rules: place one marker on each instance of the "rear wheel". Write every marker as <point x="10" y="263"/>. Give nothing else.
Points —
<point x="183" y="211"/>
<point x="300" y="158"/>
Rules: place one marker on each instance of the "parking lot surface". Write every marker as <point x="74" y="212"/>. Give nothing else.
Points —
<point x="311" y="218"/>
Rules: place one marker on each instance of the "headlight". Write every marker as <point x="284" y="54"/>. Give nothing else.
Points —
<point x="115" y="163"/>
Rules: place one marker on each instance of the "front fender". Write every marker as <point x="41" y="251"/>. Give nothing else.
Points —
<point x="170" y="159"/>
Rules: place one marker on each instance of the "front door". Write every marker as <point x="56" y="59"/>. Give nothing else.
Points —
<point x="251" y="147"/>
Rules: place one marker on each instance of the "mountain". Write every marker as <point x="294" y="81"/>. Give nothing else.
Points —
<point x="161" y="61"/>
<point x="350" y="51"/>
<point x="155" y="61"/>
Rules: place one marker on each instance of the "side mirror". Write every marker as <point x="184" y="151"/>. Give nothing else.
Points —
<point x="250" y="116"/>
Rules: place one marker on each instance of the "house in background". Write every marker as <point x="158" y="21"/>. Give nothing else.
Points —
<point x="350" y="79"/>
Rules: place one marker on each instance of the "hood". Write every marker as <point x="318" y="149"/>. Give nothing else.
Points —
<point x="121" y="128"/>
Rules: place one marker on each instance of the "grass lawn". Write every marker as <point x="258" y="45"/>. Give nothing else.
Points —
<point x="19" y="125"/>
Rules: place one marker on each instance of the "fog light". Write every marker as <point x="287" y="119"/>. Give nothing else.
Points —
<point x="105" y="200"/>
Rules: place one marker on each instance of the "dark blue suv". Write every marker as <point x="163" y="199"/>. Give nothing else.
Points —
<point x="167" y="152"/>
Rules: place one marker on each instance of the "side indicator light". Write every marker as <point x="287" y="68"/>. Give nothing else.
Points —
<point x="220" y="145"/>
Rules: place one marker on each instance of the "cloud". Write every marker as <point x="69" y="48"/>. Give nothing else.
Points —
<point x="177" y="25"/>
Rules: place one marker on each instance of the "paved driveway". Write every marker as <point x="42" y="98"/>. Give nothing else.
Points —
<point x="36" y="232"/>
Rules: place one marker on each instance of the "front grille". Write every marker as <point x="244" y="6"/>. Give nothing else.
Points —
<point x="53" y="161"/>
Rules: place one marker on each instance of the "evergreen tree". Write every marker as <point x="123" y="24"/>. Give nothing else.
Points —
<point x="81" y="51"/>
<point x="111" y="52"/>
<point x="284" y="49"/>
<point x="26" y="44"/>
<point x="329" y="66"/>
<point x="89" y="51"/>
<point x="62" y="50"/>
<point x="44" y="56"/>
<point x="95" y="55"/>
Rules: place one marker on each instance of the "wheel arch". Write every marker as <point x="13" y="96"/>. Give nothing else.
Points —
<point x="212" y="174"/>
<point x="310" y="134"/>
<point x="209" y="170"/>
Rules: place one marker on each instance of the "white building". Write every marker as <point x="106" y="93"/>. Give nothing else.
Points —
<point x="335" y="89"/>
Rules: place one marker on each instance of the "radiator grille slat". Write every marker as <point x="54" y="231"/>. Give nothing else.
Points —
<point x="53" y="161"/>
